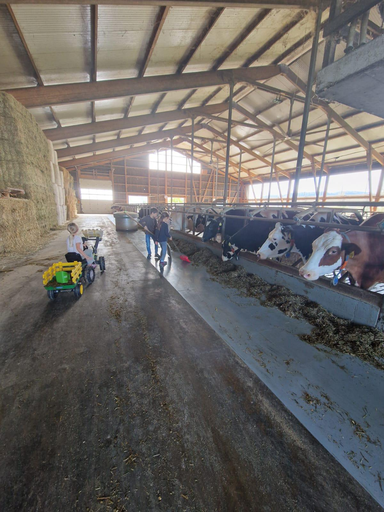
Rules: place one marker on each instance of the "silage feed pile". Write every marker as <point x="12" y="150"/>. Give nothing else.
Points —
<point x="25" y="164"/>
<point x="364" y="342"/>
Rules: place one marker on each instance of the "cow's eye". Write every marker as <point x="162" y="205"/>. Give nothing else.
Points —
<point x="333" y="251"/>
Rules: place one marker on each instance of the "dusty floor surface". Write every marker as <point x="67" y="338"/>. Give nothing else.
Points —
<point x="128" y="400"/>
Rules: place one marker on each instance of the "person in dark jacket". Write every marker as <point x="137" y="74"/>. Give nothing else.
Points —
<point x="163" y="235"/>
<point x="149" y="224"/>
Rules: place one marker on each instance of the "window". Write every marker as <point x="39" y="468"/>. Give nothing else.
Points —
<point x="176" y="200"/>
<point x="255" y="195"/>
<point x="161" y="161"/>
<point x="137" y="199"/>
<point x="346" y="185"/>
<point x="96" y="194"/>
<point x="353" y="184"/>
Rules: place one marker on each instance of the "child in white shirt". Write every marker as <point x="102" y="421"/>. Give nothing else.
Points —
<point x="75" y="250"/>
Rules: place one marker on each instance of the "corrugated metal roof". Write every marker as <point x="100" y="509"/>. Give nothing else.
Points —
<point x="124" y="32"/>
<point x="111" y="109"/>
<point x="178" y="33"/>
<point x="15" y="69"/>
<point x="74" y="113"/>
<point x="44" y="117"/>
<point x="58" y="37"/>
<point x="226" y="29"/>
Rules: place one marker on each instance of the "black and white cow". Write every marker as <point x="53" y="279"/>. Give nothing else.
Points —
<point x="232" y="226"/>
<point x="249" y="238"/>
<point x="215" y="226"/>
<point x="285" y="239"/>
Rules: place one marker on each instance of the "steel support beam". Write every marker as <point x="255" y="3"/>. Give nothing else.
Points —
<point x="275" y="133"/>
<point x="246" y="150"/>
<point x="270" y="175"/>
<point x="32" y="97"/>
<point x="227" y="154"/>
<point x="192" y="148"/>
<point x="311" y="75"/>
<point x="294" y="79"/>
<point x="349" y="15"/>
<point x="323" y="158"/>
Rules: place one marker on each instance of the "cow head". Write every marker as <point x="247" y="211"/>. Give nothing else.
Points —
<point x="326" y="256"/>
<point x="200" y="219"/>
<point x="229" y="250"/>
<point x="211" y="229"/>
<point x="277" y="243"/>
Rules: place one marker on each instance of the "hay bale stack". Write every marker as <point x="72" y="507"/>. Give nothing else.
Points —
<point x="70" y="196"/>
<point x="18" y="226"/>
<point x="25" y="162"/>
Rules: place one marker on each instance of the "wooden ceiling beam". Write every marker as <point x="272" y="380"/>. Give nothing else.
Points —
<point x="94" y="37"/>
<point x="157" y="28"/>
<point x="232" y="177"/>
<point x="260" y="4"/>
<point x="116" y="155"/>
<point x="277" y="169"/>
<point x="274" y="39"/>
<point x="255" y="21"/>
<point x="190" y="52"/>
<point x="159" y="23"/>
<point x="32" y="97"/>
<point x="277" y="135"/>
<point x="124" y="141"/>
<point x="219" y="156"/>
<point x="82" y="130"/>
<point x="24" y="43"/>
<point x="39" y="80"/>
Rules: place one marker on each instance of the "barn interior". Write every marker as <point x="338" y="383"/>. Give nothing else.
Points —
<point x="204" y="384"/>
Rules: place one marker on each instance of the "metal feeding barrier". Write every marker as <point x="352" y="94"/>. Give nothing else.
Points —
<point x="306" y="208"/>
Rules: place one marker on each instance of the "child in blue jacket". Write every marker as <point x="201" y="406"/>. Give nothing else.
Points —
<point x="163" y="235"/>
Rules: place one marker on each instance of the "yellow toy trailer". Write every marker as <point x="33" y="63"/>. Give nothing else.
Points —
<point x="67" y="277"/>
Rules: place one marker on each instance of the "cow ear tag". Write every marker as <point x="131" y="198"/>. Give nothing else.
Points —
<point x="352" y="254"/>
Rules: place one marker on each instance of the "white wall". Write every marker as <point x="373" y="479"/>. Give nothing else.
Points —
<point x="94" y="205"/>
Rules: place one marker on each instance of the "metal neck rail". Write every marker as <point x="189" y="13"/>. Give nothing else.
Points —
<point x="190" y="209"/>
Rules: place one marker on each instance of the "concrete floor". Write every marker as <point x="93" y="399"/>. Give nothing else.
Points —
<point x="128" y="400"/>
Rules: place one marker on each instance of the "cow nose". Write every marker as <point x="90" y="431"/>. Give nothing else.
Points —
<point x="307" y="274"/>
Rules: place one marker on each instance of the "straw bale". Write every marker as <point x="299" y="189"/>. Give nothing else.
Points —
<point x="70" y="195"/>
<point x="25" y="160"/>
<point x="57" y="174"/>
<point x="19" y="229"/>
<point x="53" y="177"/>
<point x="51" y="151"/>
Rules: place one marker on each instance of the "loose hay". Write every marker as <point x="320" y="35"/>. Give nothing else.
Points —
<point x="341" y="335"/>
